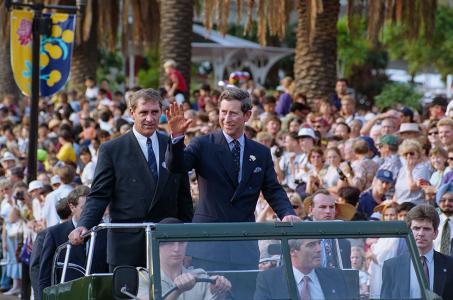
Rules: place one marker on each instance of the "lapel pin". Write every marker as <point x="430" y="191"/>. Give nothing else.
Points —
<point x="333" y="291"/>
<point x="257" y="170"/>
<point x="252" y="158"/>
<point x="445" y="270"/>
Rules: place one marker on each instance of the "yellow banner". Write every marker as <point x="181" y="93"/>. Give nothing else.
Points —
<point x="21" y="41"/>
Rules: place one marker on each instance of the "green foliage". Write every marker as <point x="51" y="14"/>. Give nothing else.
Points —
<point x="422" y="53"/>
<point x="110" y="68"/>
<point x="395" y="94"/>
<point x="149" y="75"/>
<point x="352" y="49"/>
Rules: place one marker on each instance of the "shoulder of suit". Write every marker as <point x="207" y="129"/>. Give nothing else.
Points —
<point x="446" y="258"/>
<point x="118" y="140"/>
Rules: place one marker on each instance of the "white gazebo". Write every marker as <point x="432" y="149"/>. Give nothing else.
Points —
<point x="230" y="53"/>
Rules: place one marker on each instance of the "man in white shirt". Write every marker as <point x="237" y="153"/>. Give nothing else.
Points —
<point x="398" y="275"/>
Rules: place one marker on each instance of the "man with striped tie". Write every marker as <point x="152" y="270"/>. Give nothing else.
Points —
<point x="444" y="199"/>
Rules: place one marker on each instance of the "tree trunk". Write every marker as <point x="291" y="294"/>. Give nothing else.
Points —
<point x="85" y="54"/>
<point x="315" y="64"/>
<point x="176" y="36"/>
<point x="7" y="83"/>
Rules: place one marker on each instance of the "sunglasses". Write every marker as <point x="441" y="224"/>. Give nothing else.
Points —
<point x="295" y="206"/>
<point x="450" y="158"/>
<point x="433" y="133"/>
<point x="410" y="153"/>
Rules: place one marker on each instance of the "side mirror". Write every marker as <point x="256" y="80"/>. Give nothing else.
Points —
<point x="125" y="283"/>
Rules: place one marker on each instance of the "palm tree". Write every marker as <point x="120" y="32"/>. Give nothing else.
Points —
<point x="316" y="54"/>
<point x="176" y="35"/>
<point x="7" y="83"/>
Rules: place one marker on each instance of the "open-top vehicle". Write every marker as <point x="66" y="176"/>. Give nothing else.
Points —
<point x="327" y="247"/>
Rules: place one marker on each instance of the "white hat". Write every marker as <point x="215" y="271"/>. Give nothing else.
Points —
<point x="34" y="185"/>
<point x="8" y="156"/>
<point x="409" y="127"/>
<point x="55" y="179"/>
<point x="307" y="132"/>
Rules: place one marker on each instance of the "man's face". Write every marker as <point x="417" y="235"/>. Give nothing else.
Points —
<point x="341" y="131"/>
<point x="308" y="256"/>
<point x="341" y="87"/>
<point x="388" y="126"/>
<point x="306" y="144"/>
<point x="273" y="127"/>
<point x="231" y="118"/>
<point x="424" y="234"/>
<point x="146" y="116"/>
<point x="291" y="144"/>
<point x="446" y="135"/>
<point x="172" y="253"/>
<point x="323" y="207"/>
<point x="77" y="210"/>
<point x="446" y="204"/>
<point x="381" y="187"/>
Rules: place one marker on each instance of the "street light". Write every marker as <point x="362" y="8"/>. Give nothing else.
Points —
<point x="42" y="25"/>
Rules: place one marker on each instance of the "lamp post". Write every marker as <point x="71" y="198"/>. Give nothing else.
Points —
<point x="42" y="25"/>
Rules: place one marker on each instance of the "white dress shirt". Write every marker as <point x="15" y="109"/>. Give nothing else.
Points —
<point x="414" y="284"/>
<point x="443" y="218"/>
<point x="313" y="284"/>
<point x="144" y="147"/>
<point x="241" y="141"/>
<point x="50" y="212"/>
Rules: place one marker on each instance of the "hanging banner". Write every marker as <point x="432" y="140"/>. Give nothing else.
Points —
<point x="55" y="52"/>
<point x="21" y="40"/>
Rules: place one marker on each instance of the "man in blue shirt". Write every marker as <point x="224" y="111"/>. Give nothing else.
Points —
<point x="376" y="194"/>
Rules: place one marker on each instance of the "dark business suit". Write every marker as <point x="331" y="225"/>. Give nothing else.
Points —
<point x="345" y="253"/>
<point x="57" y="235"/>
<point x="272" y="284"/>
<point x="123" y="180"/>
<point x="221" y="198"/>
<point x="396" y="277"/>
<point x="35" y="259"/>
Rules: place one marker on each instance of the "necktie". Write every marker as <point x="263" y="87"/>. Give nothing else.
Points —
<point x="445" y="239"/>
<point x="305" y="292"/>
<point x="236" y="152"/>
<point x="152" y="165"/>
<point x="425" y="268"/>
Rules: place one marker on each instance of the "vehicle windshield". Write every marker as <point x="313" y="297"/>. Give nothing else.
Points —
<point x="318" y="267"/>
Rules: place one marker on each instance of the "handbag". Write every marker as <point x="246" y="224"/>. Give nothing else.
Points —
<point x="25" y="252"/>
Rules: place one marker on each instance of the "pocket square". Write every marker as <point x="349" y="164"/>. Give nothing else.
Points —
<point x="257" y="170"/>
<point x="164" y="165"/>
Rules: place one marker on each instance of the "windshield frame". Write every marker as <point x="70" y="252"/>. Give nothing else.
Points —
<point x="284" y="232"/>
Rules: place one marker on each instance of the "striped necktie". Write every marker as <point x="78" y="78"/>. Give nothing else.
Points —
<point x="152" y="165"/>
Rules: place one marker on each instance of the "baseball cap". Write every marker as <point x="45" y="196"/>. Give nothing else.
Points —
<point x="34" y="185"/>
<point x="385" y="175"/>
<point x="307" y="132"/>
<point x="389" y="139"/>
<point x="407" y="112"/>
<point x="8" y="156"/>
<point x="370" y="143"/>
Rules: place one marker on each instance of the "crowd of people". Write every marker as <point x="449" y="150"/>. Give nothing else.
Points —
<point x="312" y="160"/>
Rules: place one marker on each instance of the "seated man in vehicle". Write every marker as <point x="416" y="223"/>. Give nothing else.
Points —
<point x="183" y="280"/>
<point x="312" y="281"/>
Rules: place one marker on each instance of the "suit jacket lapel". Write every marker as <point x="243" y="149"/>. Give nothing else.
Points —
<point x="163" y="172"/>
<point x="225" y="157"/>
<point x="440" y="273"/>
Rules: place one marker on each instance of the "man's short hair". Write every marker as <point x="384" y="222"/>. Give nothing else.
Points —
<point x="145" y="94"/>
<point x="319" y="192"/>
<point x="405" y="206"/>
<point x="445" y="122"/>
<point x="63" y="210"/>
<point x="75" y="194"/>
<point x="423" y="212"/>
<point x="233" y="93"/>
<point x="66" y="173"/>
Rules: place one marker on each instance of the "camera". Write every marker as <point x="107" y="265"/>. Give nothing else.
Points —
<point x="19" y="195"/>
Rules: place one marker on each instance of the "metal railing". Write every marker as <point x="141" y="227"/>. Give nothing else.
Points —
<point x="91" y="234"/>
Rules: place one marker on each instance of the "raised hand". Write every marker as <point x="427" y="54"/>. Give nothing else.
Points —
<point x="177" y="124"/>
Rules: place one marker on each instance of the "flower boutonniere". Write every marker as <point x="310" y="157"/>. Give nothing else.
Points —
<point x="252" y="158"/>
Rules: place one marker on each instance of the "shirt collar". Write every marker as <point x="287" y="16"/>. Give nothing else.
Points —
<point x="229" y="139"/>
<point x="141" y="138"/>
<point x="298" y="275"/>
<point x="429" y="256"/>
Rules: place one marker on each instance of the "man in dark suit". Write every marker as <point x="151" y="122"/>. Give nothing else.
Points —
<point x="324" y="208"/>
<point x="58" y="234"/>
<point x="312" y="281"/>
<point x="231" y="169"/>
<point x="398" y="276"/>
<point x="64" y="213"/>
<point x="131" y="176"/>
